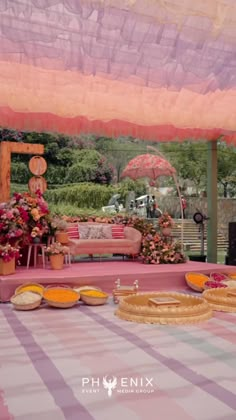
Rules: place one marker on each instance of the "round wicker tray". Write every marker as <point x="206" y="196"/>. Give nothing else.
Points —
<point x="29" y="306"/>
<point x="62" y="305"/>
<point x="220" y="300"/>
<point x="93" y="300"/>
<point x="57" y="304"/>
<point x="82" y="288"/>
<point x="192" y="285"/>
<point x="191" y="309"/>
<point x="21" y="288"/>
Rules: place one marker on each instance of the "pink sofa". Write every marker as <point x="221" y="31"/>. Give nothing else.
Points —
<point x="128" y="246"/>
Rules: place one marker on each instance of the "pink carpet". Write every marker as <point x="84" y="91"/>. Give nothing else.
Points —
<point x="104" y="274"/>
<point x="55" y="365"/>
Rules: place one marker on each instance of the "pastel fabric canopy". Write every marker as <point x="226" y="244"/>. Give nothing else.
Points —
<point x="156" y="69"/>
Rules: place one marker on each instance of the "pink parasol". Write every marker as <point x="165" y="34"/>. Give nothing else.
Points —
<point x="150" y="166"/>
<point x="153" y="166"/>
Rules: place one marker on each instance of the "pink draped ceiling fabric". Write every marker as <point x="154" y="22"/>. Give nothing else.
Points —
<point x="156" y="69"/>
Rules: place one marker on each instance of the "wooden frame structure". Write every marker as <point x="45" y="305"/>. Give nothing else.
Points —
<point x="6" y="149"/>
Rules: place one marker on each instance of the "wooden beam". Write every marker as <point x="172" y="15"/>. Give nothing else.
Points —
<point x="25" y="148"/>
<point x="6" y="148"/>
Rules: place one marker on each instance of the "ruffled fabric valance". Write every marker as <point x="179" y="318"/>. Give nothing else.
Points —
<point x="155" y="69"/>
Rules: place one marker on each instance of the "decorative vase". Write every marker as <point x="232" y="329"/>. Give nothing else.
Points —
<point x="166" y="231"/>
<point x="36" y="240"/>
<point x="7" y="267"/>
<point x="56" y="261"/>
<point x="62" y="237"/>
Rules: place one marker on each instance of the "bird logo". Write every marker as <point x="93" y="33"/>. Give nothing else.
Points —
<point x="109" y="384"/>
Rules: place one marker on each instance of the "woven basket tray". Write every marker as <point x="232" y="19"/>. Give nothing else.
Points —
<point x="192" y="285"/>
<point x="20" y="288"/>
<point x="219" y="300"/>
<point x="62" y="305"/>
<point x="93" y="300"/>
<point x="137" y="308"/>
<point x="29" y="306"/>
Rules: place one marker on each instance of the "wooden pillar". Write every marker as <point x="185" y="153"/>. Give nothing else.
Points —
<point x="212" y="198"/>
<point x="6" y="148"/>
<point x="5" y="171"/>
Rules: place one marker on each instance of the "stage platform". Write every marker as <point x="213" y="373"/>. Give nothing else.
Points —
<point x="104" y="273"/>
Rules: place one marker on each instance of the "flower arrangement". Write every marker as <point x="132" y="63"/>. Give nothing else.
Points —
<point x="58" y="224"/>
<point x="165" y="221"/>
<point x="56" y="249"/>
<point x="21" y="215"/>
<point x="7" y="252"/>
<point x="36" y="232"/>
<point x="156" y="250"/>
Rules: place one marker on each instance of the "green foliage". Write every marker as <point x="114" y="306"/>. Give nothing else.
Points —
<point x="119" y="151"/>
<point x="84" y="195"/>
<point x="20" y="172"/>
<point x="128" y="185"/>
<point x="90" y="166"/>
<point x="56" y="174"/>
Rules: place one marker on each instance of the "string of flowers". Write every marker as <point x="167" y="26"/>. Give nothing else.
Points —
<point x="8" y="252"/>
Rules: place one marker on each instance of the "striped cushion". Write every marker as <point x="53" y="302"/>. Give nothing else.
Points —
<point x="118" y="232"/>
<point x="73" y="231"/>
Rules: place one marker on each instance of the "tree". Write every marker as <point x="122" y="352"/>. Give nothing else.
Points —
<point x="90" y="166"/>
<point x="119" y="151"/>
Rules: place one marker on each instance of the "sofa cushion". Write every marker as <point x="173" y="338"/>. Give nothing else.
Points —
<point x="118" y="232"/>
<point x="84" y="231"/>
<point x="100" y="232"/>
<point x="73" y="232"/>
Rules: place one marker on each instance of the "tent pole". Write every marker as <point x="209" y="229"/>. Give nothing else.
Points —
<point x="181" y="212"/>
<point x="212" y="202"/>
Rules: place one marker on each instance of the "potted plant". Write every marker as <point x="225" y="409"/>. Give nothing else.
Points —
<point x="8" y="256"/>
<point x="56" y="252"/>
<point x="60" y="227"/>
<point x="166" y="223"/>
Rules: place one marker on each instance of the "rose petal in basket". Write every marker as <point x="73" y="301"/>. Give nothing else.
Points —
<point x="218" y="276"/>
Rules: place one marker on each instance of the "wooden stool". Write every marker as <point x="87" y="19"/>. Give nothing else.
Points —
<point x="35" y="248"/>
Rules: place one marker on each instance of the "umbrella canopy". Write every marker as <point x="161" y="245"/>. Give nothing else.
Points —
<point x="150" y="166"/>
<point x="113" y="199"/>
<point x="152" y="69"/>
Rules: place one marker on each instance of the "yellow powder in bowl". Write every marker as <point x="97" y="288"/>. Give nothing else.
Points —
<point x="197" y="279"/>
<point x="31" y="288"/>
<point x="61" y="295"/>
<point x="94" y="293"/>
